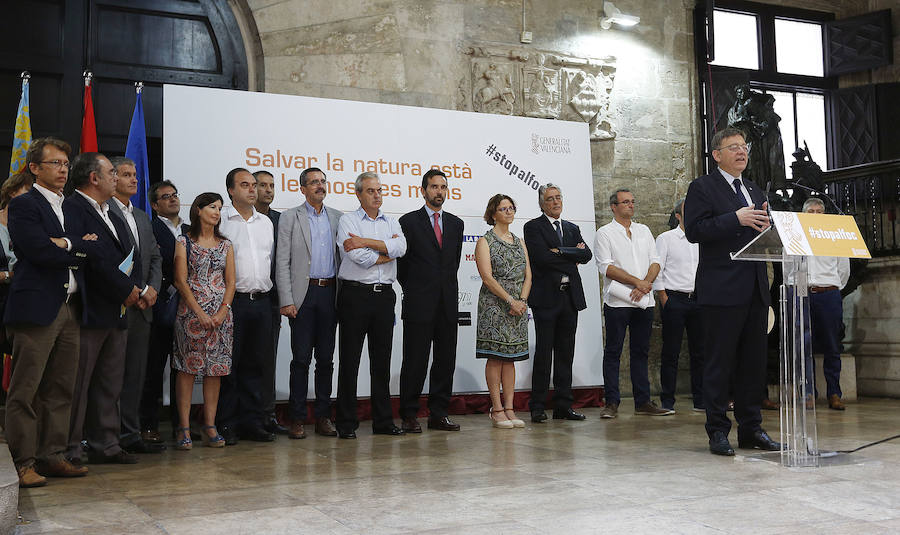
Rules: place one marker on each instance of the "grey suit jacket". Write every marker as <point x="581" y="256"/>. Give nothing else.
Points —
<point x="292" y="257"/>
<point x="151" y="260"/>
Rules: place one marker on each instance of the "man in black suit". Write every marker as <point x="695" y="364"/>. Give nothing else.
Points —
<point x="109" y="284"/>
<point x="427" y="274"/>
<point x="167" y="225"/>
<point x="555" y="248"/>
<point x="721" y="214"/>
<point x="42" y="315"/>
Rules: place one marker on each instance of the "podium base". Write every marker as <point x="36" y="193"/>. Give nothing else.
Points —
<point x="822" y="460"/>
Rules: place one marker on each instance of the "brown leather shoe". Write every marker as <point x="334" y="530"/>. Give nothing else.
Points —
<point x="296" y="431"/>
<point x="443" y="424"/>
<point x="325" y="428"/>
<point x="834" y="402"/>
<point x="768" y="405"/>
<point x="60" y="468"/>
<point x="411" y="425"/>
<point x="28" y="478"/>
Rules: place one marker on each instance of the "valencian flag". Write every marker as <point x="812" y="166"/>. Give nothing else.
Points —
<point x="136" y="149"/>
<point x="88" y="125"/>
<point x="22" y="136"/>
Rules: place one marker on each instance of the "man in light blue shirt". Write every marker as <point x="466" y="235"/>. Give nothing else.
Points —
<point x="369" y="243"/>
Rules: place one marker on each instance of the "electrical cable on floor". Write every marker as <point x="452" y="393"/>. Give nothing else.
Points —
<point x="869" y="444"/>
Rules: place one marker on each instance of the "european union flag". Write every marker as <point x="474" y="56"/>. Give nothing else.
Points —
<point x="136" y="149"/>
<point x="22" y="136"/>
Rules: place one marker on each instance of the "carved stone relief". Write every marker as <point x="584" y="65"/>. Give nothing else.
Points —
<point x="513" y="81"/>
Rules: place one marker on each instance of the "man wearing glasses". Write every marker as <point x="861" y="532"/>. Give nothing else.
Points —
<point x="626" y="256"/>
<point x="723" y="212"/>
<point x="167" y="226"/>
<point x="306" y="266"/>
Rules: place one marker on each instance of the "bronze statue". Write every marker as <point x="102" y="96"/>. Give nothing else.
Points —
<point x="754" y="114"/>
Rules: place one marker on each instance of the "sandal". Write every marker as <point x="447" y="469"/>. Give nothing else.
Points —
<point x="185" y="443"/>
<point x="515" y="421"/>
<point x="217" y="441"/>
<point x="500" y="424"/>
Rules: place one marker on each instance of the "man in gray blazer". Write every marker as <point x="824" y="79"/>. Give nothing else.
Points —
<point x="306" y="267"/>
<point x="140" y="315"/>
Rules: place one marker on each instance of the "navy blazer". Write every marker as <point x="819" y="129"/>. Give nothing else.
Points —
<point x="427" y="272"/>
<point x="41" y="280"/>
<point x="103" y="286"/>
<point x="547" y="268"/>
<point x="710" y="220"/>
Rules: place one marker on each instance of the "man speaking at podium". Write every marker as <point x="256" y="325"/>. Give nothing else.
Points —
<point x="723" y="213"/>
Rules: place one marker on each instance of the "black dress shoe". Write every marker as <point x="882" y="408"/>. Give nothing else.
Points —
<point x="411" y="425"/>
<point x="257" y="434"/>
<point x="567" y="414"/>
<point x="719" y="445"/>
<point x="442" y="424"/>
<point x="140" y="446"/>
<point x="229" y="435"/>
<point x="390" y="430"/>
<point x="538" y="417"/>
<point x="346" y="434"/>
<point x="759" y="440"/>
<point x="272" y="426"/>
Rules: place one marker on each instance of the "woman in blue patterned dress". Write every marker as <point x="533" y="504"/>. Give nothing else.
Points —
<point x="502" y="333"/>
<point x="203" y="326"/>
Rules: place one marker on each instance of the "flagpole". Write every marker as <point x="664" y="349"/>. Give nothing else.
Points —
<point x="26" y="76"/>
<point x="138" y="87"/>
<point x="88" y="76"/>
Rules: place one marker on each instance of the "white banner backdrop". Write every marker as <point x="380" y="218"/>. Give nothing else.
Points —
<point x="208" y="132"/>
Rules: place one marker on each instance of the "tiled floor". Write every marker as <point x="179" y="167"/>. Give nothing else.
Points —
<point x="630" y="475"/>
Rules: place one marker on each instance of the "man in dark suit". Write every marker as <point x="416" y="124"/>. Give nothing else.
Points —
<point x="555" y="248"/>
<point x="166" y="225"/>
<point x="42" y="316"/>
<point x="427" y="274"/>
<point x="721" y="214"/>
<point x="140" y="315"/>
<point x="109" y="284"/>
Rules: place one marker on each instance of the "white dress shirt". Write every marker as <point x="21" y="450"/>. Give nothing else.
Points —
<point x="103" y="211"/>
<point x="635" y="255"/>
<point x="128" y="212"/>
<point x="828" y="271"/>
<point x="56" y="200"/>
<point x="359" y="264"/>
<point x="678" y="259"/>
<point x="253" y="240"/>
<point x="176" y="230"/>
<point x="730" y="179"/>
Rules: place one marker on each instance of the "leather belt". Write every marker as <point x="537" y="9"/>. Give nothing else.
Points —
<point x="321" y="282"/>
<point x="252" y="296"/>
<point x="820" y="289"/>
<point x="564" y="286"/>
<point x="376" y="287"/>
<point x="686" y="295"/>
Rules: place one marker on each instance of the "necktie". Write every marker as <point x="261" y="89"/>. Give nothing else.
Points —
<point x="558" y="231"/>
<point x="738" y="193"/>
<point x="437" y="230"/>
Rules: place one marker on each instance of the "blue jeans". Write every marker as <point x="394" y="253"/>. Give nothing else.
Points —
<point x="826" y="311"/>
<point x="638" y="322"/>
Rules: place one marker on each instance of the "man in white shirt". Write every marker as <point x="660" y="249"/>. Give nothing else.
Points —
<point x="626" y="257"/>
<point x="241" y="410"/>
<point x="678" y="259"/>
<point x="370" y="243"/>
<point x="827" y="277"/>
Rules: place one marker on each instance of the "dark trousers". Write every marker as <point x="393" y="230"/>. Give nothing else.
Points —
<point x="364" y="313"/>
<point x="421" y="336"/>
<point x="554" y="330"/>
<point x="270" y="364"/>
<point x="136" y="351"/>
<point x="240" y="399"/>
<point x="638" y="322"/>
<point x="313" y="331"/>
<point x="735" y="346"/>
<point x="681" y="314"/>
<point x="95" y="405"/>
<point x="42" y="386"/>
<point x="160" y="349"/>
<point x="826" y="312"/>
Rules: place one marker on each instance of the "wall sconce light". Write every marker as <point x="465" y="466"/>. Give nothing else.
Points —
<point x="614" y="15"/>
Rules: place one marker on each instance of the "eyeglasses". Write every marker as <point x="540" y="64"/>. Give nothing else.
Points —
<point x="316" y="182"/>
<point x="507" y="209"/>
<point x="626" y="202"/>
<point x="167" y="196"/>
<point x="737" y="148"/>
<point x="59" y="164"/>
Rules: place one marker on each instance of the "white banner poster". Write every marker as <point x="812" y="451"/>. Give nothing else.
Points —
<point x="208" y="132"/>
